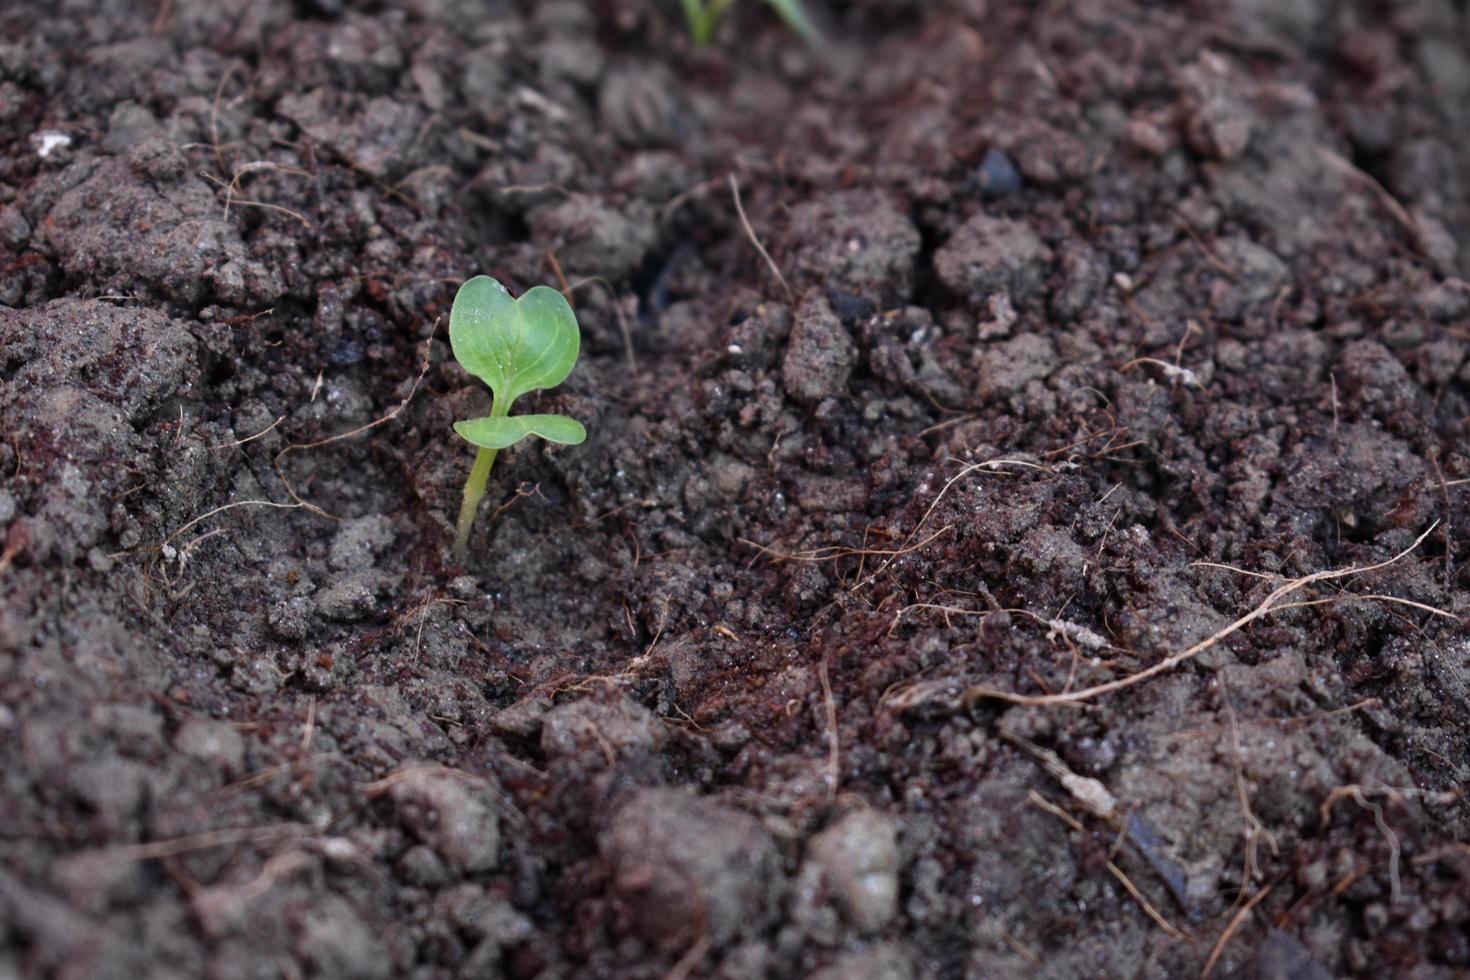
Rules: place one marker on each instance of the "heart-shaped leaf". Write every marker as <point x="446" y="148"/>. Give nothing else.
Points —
<point x="513" y="345"/>
<point x="497" y="432"/>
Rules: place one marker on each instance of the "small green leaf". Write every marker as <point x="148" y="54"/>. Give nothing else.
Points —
<point x="794" y="14"/>
<point x="513" y="345"/>
<point x="494" y="432"/>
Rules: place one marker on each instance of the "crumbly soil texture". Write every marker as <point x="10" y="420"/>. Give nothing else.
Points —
<point x="976" y="393"/>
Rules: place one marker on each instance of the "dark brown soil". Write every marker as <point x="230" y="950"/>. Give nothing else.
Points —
<point x="1079" y="302"/>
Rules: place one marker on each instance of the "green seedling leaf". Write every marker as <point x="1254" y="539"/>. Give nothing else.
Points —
<point x="794" y="14"/>
<point x="703" y="17"/>
<point x="497" y="433"/>
<point x="513" y="345"/>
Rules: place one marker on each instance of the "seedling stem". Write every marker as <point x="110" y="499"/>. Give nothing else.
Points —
<point x="474" y="488"/>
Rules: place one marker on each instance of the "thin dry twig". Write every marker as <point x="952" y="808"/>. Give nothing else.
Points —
<point x="1356" y="793"/>
<point x="834" y="747"/>
<point x="1266" y="607"/>
<point x="243" y="202"/>
<point x="1449" y="542"/>
<point x="992" y="465"/>
<point x="241" y="442"/>
<point x="1090" y="793"/>
<point x="832" y="552"/>
<point x="382" y="420"/>
<point x="617" y="307"/>
<point x="1376" y="597"/>
<point x="262" y="776"/>
<point x="1235" y="923"/>
<point x="228" y="900"/>
<point x="214" y="114"/>
<point x="380" y="786"/>
<point x="1173" y="372"/>
<point x="1402" y="216"/>
<point x="689" y="960"/>
<point x="309" y="729"/>
<point x="254" y="166"/>
<point x="1230" y="271"/>
<point x="153" y="850"/>
<point x="1038" y="800"/>
<point x="750" y="233"/>
<point x="1293" y="720"/>
<point x="1147" y="906"/>
<point x="1254" y="829"/>
<point x="561" y="277"/>
<point x="224" y="507"/>
<point x="1153" y="913"/>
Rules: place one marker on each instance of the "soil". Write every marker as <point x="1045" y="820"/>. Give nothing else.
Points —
<point x="1087" y="327"/>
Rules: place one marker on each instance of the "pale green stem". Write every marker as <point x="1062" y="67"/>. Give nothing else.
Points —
<point x="703" y="16"/>
<point x="474" y="489"/>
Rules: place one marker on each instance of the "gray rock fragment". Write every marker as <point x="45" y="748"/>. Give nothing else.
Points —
<point x="857" y="857"/>
<point x="683" y="865"/>
<point x="451" y="812"/>
<point x="819" y="355"/>
<point x="989" y="254"/>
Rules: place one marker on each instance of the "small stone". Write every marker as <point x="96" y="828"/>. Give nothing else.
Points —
<point x="257" y="675"/>
<point x="997" y="176"/>
<point x="15" y="230"/>
<point x="352" y="597"/>
<point x="593" y="239"/>
<point x="639" y="105"/>
<point x="135" y="730"/>
<point x="1259" y="277"/>
<point x="114" y="789"/>
<point x="988" y="254"/>
<point x="591" y="727"/>
<point x="422" y="866"/>
<point x="729" y="476"/>
<point x="99" y="560"/>
<point x="128" y="124"/>
<point x="450" y="812"/>
<point x="1048" y="155"/>
<point x="858" y="857"/>
<point x="214" y="742"/>
<point x="359" y="541"/>
<point x="1005" y="368"/>
<point x="1218" y="125"/>
<point x="1148" y="136"/>
<point x="157" y="158"/>
<point x="290" y="619"/>
<point x="684" y="866"/>
<point x="861" y="242"/>
<point x="1084" y="274"/>
<point x="1282" y="957"/>
<point x="522" y="719"/>
<point x="819" y="355"/>
<point x="1435" y="241"/>
<point x="486" y="916"/>
<point x="1219" y="131"/>
<point x="336" y="941"/>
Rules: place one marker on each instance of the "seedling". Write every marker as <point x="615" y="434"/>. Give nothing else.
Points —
<point x="703" y="16"/>
<point x="514" y="346"/>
